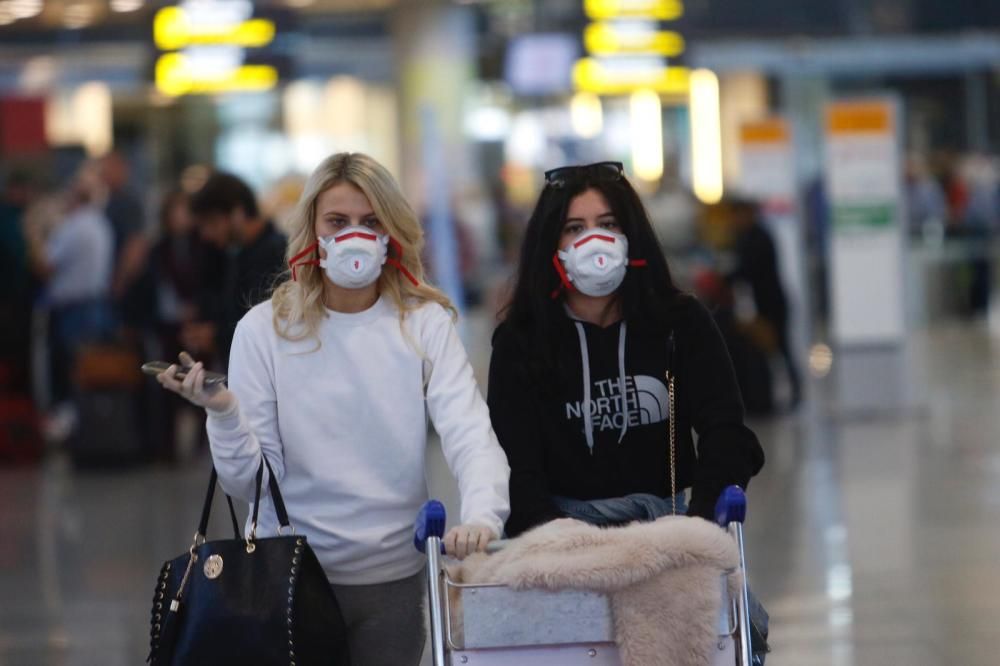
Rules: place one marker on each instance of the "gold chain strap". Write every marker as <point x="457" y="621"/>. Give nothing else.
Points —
<point x="673" y="446"/>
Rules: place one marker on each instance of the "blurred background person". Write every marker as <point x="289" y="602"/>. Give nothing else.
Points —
<point x="750" y="359"/>
<point x="247" y="256"/>
<point x="978" y="222"/>
<point x="757" y="267"/>
<point x="124" y="211"/>
<point x="926" y="204"/>
<point x="76" y="263"/>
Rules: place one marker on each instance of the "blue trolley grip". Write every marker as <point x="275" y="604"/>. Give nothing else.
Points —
<point x="731" y="506"/>
<point x="430" y="522"/>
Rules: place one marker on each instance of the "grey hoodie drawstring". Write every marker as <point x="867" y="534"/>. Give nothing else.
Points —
<point x="621" y="380"/>
<point x="588" y="420"/>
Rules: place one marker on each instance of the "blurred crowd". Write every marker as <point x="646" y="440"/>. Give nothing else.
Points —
<point x="93" y="294"/>
<point x="94" y="285"/>
<point x="951" y="196"/>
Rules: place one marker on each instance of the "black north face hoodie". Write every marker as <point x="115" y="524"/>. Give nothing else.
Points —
<point x="623" y="448"/>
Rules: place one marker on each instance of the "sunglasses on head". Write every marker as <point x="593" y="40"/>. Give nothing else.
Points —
<point x="598" y="171"/>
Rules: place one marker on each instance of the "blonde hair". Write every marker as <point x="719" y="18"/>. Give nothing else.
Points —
<point x="298" y="304"/>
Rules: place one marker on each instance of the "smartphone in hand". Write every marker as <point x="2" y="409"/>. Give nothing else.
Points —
<point x="154" y="368"/>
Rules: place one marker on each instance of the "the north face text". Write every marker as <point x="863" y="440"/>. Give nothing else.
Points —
<point x="646" y="401"/>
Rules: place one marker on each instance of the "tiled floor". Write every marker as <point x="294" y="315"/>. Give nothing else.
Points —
<point x="872" y="539"/>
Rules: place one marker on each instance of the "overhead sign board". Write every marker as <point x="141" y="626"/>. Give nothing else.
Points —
<point x="174" y="28"/>
<point x="632" y="37"/>
<point x="617" y="77"/>
<point x="632" y="45"/>
<point x="214" y="46"/>
<point x="660" y="10"/>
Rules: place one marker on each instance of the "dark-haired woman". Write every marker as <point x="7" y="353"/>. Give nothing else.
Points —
<point x="594" y="340"/>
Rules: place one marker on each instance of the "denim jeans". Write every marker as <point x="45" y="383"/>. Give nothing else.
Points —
<point x="619" y="510"/>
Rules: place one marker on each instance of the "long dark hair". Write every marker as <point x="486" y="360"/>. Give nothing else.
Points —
<point x="532" y="316"/>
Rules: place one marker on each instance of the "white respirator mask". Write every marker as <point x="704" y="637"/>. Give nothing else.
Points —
<point x="354" y="257"/>
<point x="595" y="263"/>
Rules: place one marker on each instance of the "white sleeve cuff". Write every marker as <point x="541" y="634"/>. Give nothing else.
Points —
<point x="229" y="419"/>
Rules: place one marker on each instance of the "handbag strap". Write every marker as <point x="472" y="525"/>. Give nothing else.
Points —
<point x="206" y="508"/>
<point x="276" y="498"/>
<point x="671" y="386"/>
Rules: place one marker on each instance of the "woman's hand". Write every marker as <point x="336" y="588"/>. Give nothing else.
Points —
<point x="464" y="540"/>
<point x="216" y="398"/>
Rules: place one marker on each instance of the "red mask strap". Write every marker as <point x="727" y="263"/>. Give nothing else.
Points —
<point x="295" y="262"/>
<point x="563" y="278"/>
<point x="398" y="263"/>
<point x="638" y="263"/>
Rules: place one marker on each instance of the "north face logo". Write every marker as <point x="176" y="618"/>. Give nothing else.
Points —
<point x="646" y="401"/>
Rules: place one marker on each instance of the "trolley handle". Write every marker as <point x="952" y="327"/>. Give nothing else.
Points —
<point x="730" y="514"/>
<point x="430" y="522"/>
<point x="731" y="506"/>
<point x="428" y="529"/>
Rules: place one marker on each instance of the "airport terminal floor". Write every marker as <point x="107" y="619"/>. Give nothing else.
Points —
<point x="872" y="538"/>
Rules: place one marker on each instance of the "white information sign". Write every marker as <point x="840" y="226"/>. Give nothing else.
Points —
<point x="864" y="189"/>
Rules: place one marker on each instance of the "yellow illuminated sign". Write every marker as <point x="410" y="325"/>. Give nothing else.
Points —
<point x="660" y="10"/>
<point x="605" y="39"/>
<point x="176" y="75"/>
<point x="589" y="75"/>
<point x="173" y="29"/>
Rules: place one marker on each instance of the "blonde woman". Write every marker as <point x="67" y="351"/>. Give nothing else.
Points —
<point x="330" y="379"/>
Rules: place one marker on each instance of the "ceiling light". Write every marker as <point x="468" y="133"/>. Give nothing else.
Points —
<point x="6" y="15"/>
<point x="125" y="5"/>
<point x="78" y="16"/>
<point x="23" y="9"/>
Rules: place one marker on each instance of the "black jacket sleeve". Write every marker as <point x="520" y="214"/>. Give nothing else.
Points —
<point x="728" y="451"/>
<point x="516" y="422"/>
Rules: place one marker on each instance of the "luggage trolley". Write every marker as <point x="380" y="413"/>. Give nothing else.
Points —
<point x="499" y="625"/>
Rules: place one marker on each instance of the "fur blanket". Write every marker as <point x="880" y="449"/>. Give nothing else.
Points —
<point x="663" y="579"/>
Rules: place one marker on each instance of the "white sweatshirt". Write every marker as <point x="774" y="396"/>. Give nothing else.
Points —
<point x="345" y="428"/>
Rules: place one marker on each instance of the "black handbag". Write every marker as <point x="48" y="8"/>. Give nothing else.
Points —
<point x="246" y="602"/>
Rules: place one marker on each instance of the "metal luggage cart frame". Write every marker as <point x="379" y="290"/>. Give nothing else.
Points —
<point x="597" y="648"/>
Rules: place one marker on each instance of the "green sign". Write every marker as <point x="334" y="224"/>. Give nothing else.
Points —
<point x="857" y="217"/>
